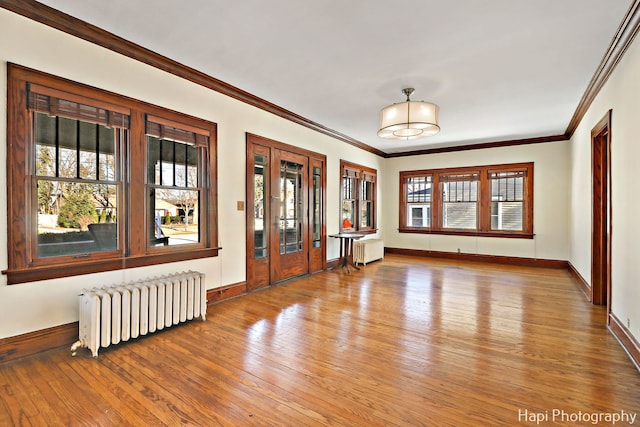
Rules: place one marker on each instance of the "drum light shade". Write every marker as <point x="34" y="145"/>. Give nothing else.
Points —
<point x="409" y="119"/>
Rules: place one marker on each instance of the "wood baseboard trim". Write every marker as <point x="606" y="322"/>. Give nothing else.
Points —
<point x="31" y="343"/>
<point x="582" y="284"/>
<point x="626" y="339"/>
<point x="226" y="292"/>
<point x="494" y="259"/>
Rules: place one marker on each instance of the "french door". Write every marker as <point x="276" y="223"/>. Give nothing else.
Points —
<point x="285" y="212"/>
<point x="289" y="249"/>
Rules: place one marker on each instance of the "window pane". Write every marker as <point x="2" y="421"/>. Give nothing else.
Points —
<point x="175" y="217"/>
<point x="68" y="147"/>
<point x="192" y="166"/>
<point x="365" y="215"/>
<point x="506" y="216"/>
<point x="290" y="207"/>
<point x="348" y="213"/>
<point x="459" y="215"/>
<point x="260" y="220"/>
<point x="167" y="163"/>
<point x="45" y="160"/>
<point x="419" y="215"/>
<point x="88" y="145"/>
<point x="317" y="208"/>
<point x="107" y="154"/>
<point x="76" y="218"/>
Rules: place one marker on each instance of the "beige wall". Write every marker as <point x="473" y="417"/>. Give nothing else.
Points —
<point x="621" y="94"/>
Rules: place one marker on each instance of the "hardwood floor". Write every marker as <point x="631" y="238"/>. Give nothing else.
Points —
<point x="406" y="341"/>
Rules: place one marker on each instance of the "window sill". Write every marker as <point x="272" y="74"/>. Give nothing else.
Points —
<point x="503" y="234"/>
<point x="58" y="271"/>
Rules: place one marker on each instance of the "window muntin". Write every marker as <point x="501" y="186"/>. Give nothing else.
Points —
<point x="64" y="136"/>
<point x="357" y="198"/>
<point x="484" y="200"/>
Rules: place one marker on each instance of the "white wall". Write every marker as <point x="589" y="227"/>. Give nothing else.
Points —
<point x="33" y="306"/>
<point x="550" y="204"/>
<point x="621" y="94"/>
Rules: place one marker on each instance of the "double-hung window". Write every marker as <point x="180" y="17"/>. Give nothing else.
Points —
<point x="507" y="199"/>
<point x="77" y="179"/>
<point x="357" y="198"/>
<point x="174" y="181"/>
<point x="418" y="200"/>
<point x="97" y="181"/>
<point x="459" y="200"/>
<point x="482" y="200"/>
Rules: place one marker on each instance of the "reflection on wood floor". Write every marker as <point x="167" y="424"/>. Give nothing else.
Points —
<point x="405" y="341"/>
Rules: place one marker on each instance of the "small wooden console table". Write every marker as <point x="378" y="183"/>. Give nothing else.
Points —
<point x="346" y="249"/>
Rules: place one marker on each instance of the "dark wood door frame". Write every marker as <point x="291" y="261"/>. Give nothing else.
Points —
<point x="601" y="213"/>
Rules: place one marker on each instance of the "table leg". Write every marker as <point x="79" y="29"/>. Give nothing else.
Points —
<point x="351" y="255"/>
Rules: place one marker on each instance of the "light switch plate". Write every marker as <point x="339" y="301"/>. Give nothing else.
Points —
<point x="240" y="205"/>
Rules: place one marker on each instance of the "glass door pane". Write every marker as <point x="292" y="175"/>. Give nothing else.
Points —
<point x="316" y="220"/>
<point x="290" y="207"/>
<point x="260" y="219"/>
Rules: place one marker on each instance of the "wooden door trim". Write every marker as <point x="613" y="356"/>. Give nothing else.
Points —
<point x="601" y="286"/>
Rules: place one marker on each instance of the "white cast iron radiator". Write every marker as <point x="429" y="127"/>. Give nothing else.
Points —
<point x="109" y="315"/>
<point x="367" y="250"/>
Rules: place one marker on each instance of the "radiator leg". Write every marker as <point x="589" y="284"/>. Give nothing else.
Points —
<point x="74" y="348"/>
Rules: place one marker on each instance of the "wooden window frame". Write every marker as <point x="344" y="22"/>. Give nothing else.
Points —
<point x="483" y="203"/>
<point x="359" y="173"/>
<point x="23" y="265"/>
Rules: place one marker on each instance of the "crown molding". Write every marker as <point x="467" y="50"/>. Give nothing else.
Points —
<point x="483" y="145"/>
<point x="619" y="44"/>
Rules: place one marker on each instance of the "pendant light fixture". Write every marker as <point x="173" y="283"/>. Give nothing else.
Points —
<point x="409" y="119"/>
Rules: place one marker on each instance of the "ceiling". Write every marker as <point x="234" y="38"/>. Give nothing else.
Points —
<point x="499" y="69"/>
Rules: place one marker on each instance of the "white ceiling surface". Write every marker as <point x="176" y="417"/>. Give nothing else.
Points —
<point x="498" y="69"/>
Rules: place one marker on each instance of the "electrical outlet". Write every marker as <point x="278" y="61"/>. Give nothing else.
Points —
<point x="458" y="250"/>
<point x="628" y="323"/>
<point x="240" y="205"/>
